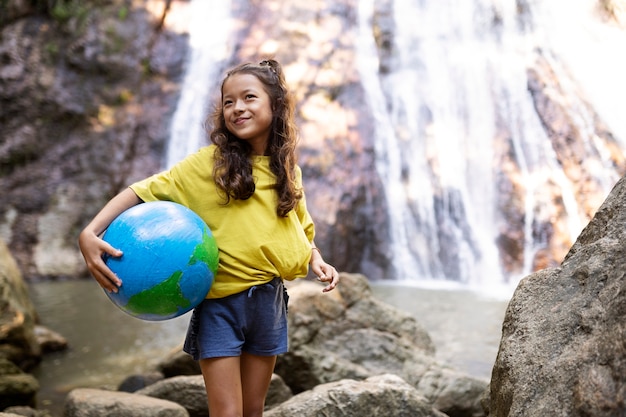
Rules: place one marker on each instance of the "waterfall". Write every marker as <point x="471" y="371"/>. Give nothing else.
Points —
<point x="454" y="78"/>
<point x="388" y="163"/>
<point x="209" y="31"/>
<point x="456" y="70"/>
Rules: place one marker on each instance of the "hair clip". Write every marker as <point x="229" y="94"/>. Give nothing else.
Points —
<point x="266" y="63"/>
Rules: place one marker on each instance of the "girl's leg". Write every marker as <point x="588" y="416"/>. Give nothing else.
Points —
<point x="256" y="374"/>
<point x="222" y="378"/>
<point x="237" y="386"/>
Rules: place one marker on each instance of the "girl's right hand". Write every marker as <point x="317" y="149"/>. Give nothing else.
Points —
<point x="94" y="249"/>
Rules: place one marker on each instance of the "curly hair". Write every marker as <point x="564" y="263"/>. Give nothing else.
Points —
<point x="233" y="163"/>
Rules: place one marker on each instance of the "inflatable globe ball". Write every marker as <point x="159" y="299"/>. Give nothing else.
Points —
<point x="169" y="260"/>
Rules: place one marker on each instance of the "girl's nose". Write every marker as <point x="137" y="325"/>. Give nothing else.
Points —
<point x="239" y="105"/>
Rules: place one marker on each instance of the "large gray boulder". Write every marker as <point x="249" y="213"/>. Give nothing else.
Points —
<point x="188" y="391"/>
<point x="89" y="402"/>
<point x="453" y="392"/>
<point x="383" y="395"/>
<point x="349" y="334"/>
<point x="562" y="350"/>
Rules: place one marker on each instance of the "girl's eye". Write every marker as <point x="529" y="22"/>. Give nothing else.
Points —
<point x="227" y="102"/>
<point x="250" y="96"/>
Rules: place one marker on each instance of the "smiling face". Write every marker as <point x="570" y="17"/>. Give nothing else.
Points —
<point x="247" y="110"/>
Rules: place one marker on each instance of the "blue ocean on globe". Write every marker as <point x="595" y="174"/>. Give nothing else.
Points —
<point x="169" y="260"/>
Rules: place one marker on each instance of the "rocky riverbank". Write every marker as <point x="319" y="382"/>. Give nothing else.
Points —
<point x="337" y="341"/>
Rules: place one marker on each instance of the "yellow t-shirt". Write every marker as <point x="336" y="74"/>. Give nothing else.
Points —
<point x="255" y="244"/>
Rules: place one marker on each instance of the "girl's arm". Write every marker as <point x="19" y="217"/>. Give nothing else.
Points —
<point x="325" y="272"/>
<point x="93" y="247"/>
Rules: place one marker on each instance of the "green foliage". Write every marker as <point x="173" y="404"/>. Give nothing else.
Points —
<point x="115" y="43"/>
<point x="52" y="49"/>
<point x="64" y="10"/>
<point x="124" y="97"/>
<point x="123" y="13"/>
<point x="146" y="67"/>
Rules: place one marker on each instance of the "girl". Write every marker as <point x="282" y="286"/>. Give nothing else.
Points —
<point x="248" y="189"/>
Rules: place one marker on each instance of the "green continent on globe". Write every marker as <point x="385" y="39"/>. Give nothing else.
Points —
<point x="206" y="252"/>
<point x="163" y="299"/>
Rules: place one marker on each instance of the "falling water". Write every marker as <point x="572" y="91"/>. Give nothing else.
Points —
<point x="433" y="113"/>
<point x="209" y="29"/>
<point x="456" y="70"/>
<point x="592" y="49"/>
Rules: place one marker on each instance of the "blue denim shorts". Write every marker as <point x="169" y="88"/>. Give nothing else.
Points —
<point x="253" y="321"/>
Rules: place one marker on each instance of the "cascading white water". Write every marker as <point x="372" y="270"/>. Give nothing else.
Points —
<point x="457" y="70"/>
<point x="209" y="30"/>
<point x="433" y="115"/>
<point x="388" y="162"/>
<point x="592" y="49"/>
<point x="452" y="72"/>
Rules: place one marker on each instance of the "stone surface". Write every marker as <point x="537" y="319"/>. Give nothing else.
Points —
<point x="188" y="391"/>
<point x="89" y="402"/>
<point x="17" y="388"/>
<point x="277" y="393"/>
<point x="384" y="395"/>
<point x="49" y="340"/>
<point x="348" y="334"/>
<point x="134" y="383"/>
<point x="83" y="113"/>
<point x="178" y="363"/>
<point x="18" y="342"/>
<point x="562" y="350"/>
<point x="452" y="392"/>
<point x="24" y="411"/>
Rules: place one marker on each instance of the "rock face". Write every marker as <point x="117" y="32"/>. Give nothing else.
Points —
<point x="562" y="350"/>
<point x="18" y="340"/>
<point x="85" y="95"/>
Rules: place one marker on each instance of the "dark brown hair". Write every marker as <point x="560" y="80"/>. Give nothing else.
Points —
<point x="233" y="164"/>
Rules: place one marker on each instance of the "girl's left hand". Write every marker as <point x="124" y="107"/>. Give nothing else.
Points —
<point x="325" y="273"/>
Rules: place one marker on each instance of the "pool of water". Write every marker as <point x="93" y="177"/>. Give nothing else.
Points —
<point x="465" y="325"/>
<point x="106" y="344"/>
